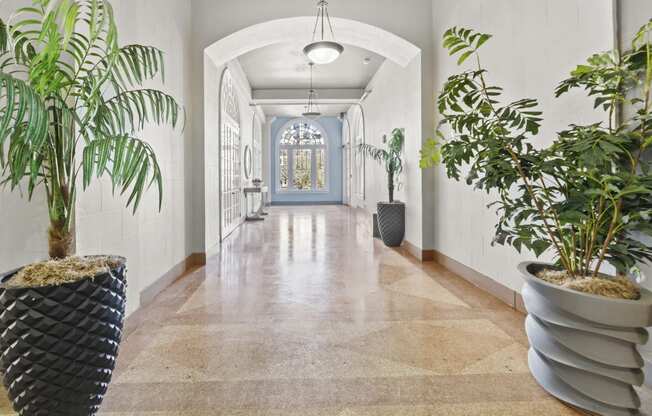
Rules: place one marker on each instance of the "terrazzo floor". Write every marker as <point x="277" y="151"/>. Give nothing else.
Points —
<point x="305" y="315"/>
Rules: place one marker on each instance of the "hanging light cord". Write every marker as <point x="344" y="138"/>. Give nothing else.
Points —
<point x="312" y="93"/>
<point x="323" y="15"/>
<point x="312" y="90"/>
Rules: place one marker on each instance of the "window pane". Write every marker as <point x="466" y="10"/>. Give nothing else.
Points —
<point x="302" y="134"/>
<point x="283" y="165"/>
<point x="302" y="170"/>
<point x="321" y="169"/>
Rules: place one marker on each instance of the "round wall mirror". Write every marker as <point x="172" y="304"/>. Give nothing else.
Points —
<point x="247" y="162"/>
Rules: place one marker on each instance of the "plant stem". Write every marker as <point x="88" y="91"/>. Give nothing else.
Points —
<point x="521" y="172"/>
<point x="607" y="240"/>
<point x="59" y="239"/>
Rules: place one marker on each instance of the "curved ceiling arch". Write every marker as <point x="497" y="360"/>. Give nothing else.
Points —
<point x="348" y="32"/>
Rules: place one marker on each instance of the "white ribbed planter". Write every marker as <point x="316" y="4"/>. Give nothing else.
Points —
<point x="583" y="348"/>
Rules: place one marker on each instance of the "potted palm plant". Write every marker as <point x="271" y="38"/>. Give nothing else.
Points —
<point x="72" y="103"/>
<point x="586" y="200"/>
<point x="391" y="214"/>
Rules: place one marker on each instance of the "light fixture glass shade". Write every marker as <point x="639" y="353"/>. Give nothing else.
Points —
<point x="323" y="52"/>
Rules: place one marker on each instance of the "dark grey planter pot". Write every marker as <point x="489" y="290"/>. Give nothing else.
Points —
<point x="583" y="348"/>
<point x="376" y="230"/>
<point x="59" y="344"/>
<point x="391" y="222"/>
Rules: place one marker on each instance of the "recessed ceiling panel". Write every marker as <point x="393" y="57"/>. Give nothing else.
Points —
<point x="285" y="66"/>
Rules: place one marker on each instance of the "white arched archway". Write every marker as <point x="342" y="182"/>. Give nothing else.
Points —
<point x="349" y="32"/>
<point x="225" y="51"/>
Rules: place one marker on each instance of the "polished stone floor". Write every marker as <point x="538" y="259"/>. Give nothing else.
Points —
<point x="306" y="315"/>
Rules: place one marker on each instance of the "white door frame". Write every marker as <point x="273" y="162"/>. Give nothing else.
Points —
<point x="225" y="120"/>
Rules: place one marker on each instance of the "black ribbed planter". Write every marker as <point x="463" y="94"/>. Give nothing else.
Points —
<point x="60" y="343"/>
<point x="391" y="222"/>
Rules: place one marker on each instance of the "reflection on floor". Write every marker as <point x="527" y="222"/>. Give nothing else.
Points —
<point x="305" y="315"/>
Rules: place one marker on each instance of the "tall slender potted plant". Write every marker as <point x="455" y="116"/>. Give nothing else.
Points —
<point x="391" y="214"/>
<point x="72" y="103"/>
<point x="586" y="199"/>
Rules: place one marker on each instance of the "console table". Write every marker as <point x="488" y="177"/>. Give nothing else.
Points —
<point x="256" y="214"/>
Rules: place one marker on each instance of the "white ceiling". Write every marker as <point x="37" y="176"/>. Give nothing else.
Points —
<point x="284" y="66"/>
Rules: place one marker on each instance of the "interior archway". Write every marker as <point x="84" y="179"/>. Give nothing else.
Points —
<point x="226" y="52"/>
<point x="350" y="32"/>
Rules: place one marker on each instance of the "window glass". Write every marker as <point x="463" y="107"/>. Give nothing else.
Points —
<point x="283" y="165"/>
<point x="321" y="168"/>
<point x="302" y="175"/>
<point x="302" y="165"/>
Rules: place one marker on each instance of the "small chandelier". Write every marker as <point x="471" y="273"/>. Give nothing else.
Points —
<point x="323" y="51"/>
<point x="312" y="110"/>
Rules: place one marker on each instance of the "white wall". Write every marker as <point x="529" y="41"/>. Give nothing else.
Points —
<point x="536" y="43"/>
<point x="633" y="15"/>
<point x="153" y="242"/>
<point x="395" y="103"/>
<point x="23" y="224"/>
<point x="23" y="229"/>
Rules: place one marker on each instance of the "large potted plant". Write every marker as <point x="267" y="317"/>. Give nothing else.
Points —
<point x="585" y="200"/>
<point x="72" y="103"/>
<point x="391" y="214"/>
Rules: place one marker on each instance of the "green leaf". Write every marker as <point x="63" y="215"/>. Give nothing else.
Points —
<point x="464" y="57"/>
<point x="481" y="41"/>
<point x="430" y="154"/>
<point x="130" y="162"/>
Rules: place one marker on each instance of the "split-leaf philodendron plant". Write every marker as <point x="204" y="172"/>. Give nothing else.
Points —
<point x="587" y="196"/>
<point x="390" y="157"/>
<point x="72" y="101"/>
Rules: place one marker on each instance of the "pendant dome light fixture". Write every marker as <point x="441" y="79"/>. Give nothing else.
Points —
<point x="323" y="51"/>
<point x="312" y="110"/>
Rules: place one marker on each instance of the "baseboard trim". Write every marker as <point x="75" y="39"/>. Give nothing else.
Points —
<point x="487" y="284"/>
<point x="153" y="290"/>
<point x="417" y="252"/>
<point x="196" y="260"/>
<point x="150" y="293"/>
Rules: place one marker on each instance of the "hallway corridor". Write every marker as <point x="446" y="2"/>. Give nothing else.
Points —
<point x="303" y="315"/>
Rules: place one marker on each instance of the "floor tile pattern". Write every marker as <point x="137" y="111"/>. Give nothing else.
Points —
<point x="305" y="314"/>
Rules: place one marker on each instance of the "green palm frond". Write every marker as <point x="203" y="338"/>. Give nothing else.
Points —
<point x="130" y="162"/>
<point x="4" y="37"/>
<point x="136" y="64"/>
<point x="24" y="121"/>
<point x="371" y="151"/>
<point x="132" y="110"/>
<point x="66" y="83"/>
<point x="390" y="157"/>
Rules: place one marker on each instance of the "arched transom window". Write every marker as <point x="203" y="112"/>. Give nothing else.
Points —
<point x="302" y="134"/>
<point x="302" y="158"/>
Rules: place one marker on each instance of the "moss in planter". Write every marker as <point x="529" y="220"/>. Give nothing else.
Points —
<point x="611" y="287"/>
<point x="58" y="272"/>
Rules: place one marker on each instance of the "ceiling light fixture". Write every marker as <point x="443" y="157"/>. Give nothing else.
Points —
<point x="312" y="111"/>
<point x="323" y="51"/>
